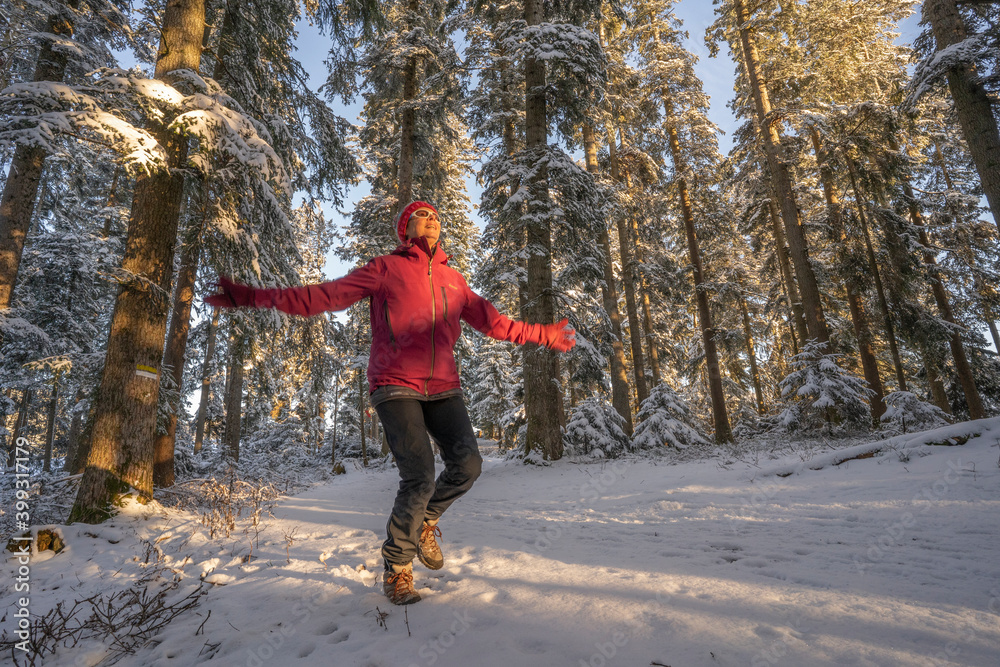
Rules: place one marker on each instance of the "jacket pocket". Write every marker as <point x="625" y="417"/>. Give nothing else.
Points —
<point x="388" y="324"/>
<point x="444" y="299"/>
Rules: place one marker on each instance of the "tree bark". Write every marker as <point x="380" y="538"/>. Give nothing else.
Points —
<point x="336" y="417"/>
<point x="962" y="367"/>
<point x="723" y="432"/>
<point x="27" y="396"/>
<point x="625" y="246"/>
<point x="20" y="190"/>
<point x="972" y="101"/>
<point x="890" y="329"/>
<point x="206" y="381"/>
<point x="361" y="416"/>
<point x="961" y="361"/>
<point x="542" y="379"/>
<point x="609" y="296"/>
<point x="647" y="317"/>
<point x="992" y="324"/>
<point x="180" y="317"/>
<point x="796" y="314"/>
<point x="862" y="332"/>
<point x="73" y="438"/>
<point x="50" y="429"/>
<point x="752" y="355"/>
<point x="176" y="346"/>
<point x="407" y="127"/>
<point x="932" y="364"/>
<point x="981" y="289"/>
<point x="121" y="454"/>
<point x="781" y="181"/>
<point x="234" y="395"/>
<point x="83" y="446"/>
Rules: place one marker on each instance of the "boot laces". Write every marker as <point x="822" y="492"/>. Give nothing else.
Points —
<point x="433" y="530"/>
<point x="402" y="580"/>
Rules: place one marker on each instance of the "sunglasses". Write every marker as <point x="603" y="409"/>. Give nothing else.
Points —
<point x="424" y="213"/>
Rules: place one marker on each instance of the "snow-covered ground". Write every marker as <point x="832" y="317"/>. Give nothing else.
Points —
<point x="888" y="560"/>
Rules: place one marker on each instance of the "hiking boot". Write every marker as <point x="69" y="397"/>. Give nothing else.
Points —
<point x="398" y="584"/>
<point x="428" y="550"/>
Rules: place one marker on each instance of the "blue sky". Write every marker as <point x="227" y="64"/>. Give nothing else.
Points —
<point x="717" y="75"/>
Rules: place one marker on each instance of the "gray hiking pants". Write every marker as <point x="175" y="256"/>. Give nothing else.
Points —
<point x="407" y="421"/>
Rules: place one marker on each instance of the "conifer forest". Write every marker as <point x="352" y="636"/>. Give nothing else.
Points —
<point x="836" y="272"/>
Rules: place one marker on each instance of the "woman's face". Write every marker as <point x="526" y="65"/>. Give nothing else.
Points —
<point x="424" y="222"/>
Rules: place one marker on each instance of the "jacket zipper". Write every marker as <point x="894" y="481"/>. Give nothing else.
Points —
<point x="388" y="323"/>
<point x="444" y="299"/>
<point x="430" y="279"/>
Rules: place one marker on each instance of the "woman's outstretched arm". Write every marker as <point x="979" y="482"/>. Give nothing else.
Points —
<point x="483" y="316"/>
<point x="306" y="300"/>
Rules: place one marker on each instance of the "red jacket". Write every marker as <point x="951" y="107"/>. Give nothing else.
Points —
<point x="416" y="302"/>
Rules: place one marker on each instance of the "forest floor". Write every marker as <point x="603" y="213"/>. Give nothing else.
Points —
<point x="889" y="558"/>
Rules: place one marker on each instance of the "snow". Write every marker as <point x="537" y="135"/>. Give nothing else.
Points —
<point x="887" y="560"/>
<point x="934" y="67"/>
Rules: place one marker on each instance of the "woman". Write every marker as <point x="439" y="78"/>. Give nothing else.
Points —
<point x="417" y="303"/>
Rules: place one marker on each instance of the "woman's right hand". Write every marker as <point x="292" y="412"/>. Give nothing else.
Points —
<point x="232" y="295"/>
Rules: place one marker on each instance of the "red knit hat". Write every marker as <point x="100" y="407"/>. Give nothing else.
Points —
<point x="404" y="218"/>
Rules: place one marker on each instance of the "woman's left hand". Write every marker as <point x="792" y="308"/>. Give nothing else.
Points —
<point x="559" y="336"/>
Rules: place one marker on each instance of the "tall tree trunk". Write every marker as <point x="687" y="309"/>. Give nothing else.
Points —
<point x="782" y="181"/>
<point x="407" y="125"/>
<point x="21" y="187"/>
<point x="180" y="317"/>
<point x="336" y="418"/>
<point x="206" y="382"/>
<point x="647" y="318"/>
<point x="862" y="332"/>
<point x="50" y="429"/>
<point x="962" y="366"/>
<point x="625" y="246"/>
<point x="361" y="416"/>
<point x="961" y="361"/>
<point x="27" y="396"/>
<point x="609" y="296"/>
<point x="797" y="315"/>
<point x="752" y="355"/>
<point x="890" y="329"/>
<point x="932" y="364"/>
<point x="121" y="452"/>
<point x="723" y="432"/>
<point x="111" y="201"/>
<point x="992" y="324"/>
<point x="234" y="394"/>
<point x="83" y="446"/>
<point x="981" y="289"/>
<point x="319" y="417"/>
<point x="73" y="437"/>
<point x="972" y="101"/>
<point x="542" y="378"/>
<point x="177" y="339"/>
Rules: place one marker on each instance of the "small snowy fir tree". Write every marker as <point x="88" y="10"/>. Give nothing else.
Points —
<point x="665" y="421"/>
<point x="821" y="393"/>
<point x="595" y="429"/>
<point x="905" y="412"/>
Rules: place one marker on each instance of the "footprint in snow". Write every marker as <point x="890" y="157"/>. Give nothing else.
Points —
<point x="339" y="638"/>
<point x="327" y="629"/>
